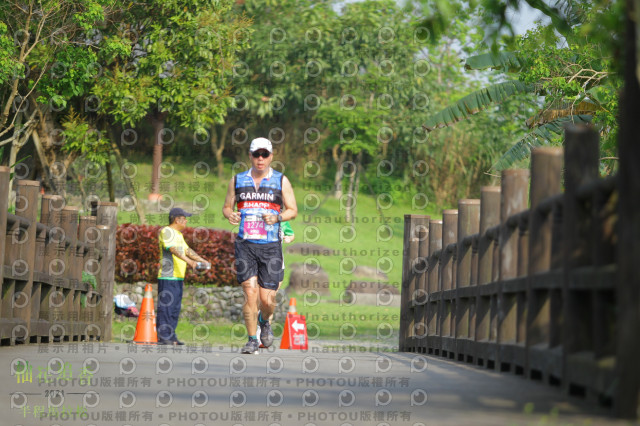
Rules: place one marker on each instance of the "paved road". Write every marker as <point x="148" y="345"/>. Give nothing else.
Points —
<point x="129" y="385"/>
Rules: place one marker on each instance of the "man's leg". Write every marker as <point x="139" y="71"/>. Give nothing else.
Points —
<point x="269" y="277"/>
<point x="247" y="270"/>
<point x="250" y="310"/>
<point x="267" y="303"/>
<point x="175" y="308"/>
<point x="267" y="306"/>
<point x="163" y="322"/>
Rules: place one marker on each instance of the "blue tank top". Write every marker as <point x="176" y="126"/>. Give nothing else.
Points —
<point x="253" y="204"/>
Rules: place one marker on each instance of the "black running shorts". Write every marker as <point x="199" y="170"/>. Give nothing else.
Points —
<point x="261" y="260"/>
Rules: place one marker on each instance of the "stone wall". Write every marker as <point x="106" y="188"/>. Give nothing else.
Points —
<point x="205" y="303"/>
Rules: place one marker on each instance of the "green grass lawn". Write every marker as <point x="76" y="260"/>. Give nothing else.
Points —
<point x="330" y="322"/>
<point x="374" y="240"/>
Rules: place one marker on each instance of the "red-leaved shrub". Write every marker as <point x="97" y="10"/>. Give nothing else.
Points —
<point x="138" y="254"/>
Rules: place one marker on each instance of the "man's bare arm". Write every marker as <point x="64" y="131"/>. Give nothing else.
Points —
<point x="195" y="256"/>
<point x="229" y="204"/>
<point x="289" y="199"/>
<point x="180" y="255"/>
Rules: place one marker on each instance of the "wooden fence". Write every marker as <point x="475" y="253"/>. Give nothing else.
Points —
<point x="524" y="280"/>
<point x="44" y="297"/>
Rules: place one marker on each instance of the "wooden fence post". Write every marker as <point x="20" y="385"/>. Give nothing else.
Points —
<point x="468" y="225"/>
<point x="409" y="249"/>
<point x="27" y="207"/>
<point x="489" y="217"/>
<point x="581" y="166"/>
<point x="486" y="302"/>
<point x="91" y="265"/>
<point x="546" y="179"/>
<point x="449" y="236"/>
<point x="102" y="247"/>
<point x="50" y="213"/>
<point x="628" y="282"/>
<point x="107" y="215"/>
<point x="447" y="283"/>
<point x="412" y="233"/>
<point x="514" y="188"/>
<point x="70" y="227"/>
<point x="435" y="244"/>
<point x="513" y="199"/>
<point x="419" y="295"/>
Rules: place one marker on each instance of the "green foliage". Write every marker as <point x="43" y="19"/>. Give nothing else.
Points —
<point x="79" y="137"/>
<point x="379" y="92"/>
<point x="572" y="72"/>
<point x="8" y="66"/>
<point x="505" y="61"/>
<point x="89" y="278"/>
<point x="56" y="51"/>
<point x="476" y="102"/>
<point x="181" y="58"/>
<point x="357" y="77"/>
<point x="579" y="70"/>
<point x="74" y="70"/>
<point x="90" y="13"/>
<point x="545" y="134"/>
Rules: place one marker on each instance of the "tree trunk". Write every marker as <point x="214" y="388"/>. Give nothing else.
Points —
<point x="127" y="180"/>
<point x="350" y="196"/>
<point x="112" y="195"/>
<point x="358" y="172"/>
<point x="45" y="129"/>
<point x="83" y="192"/>
<point x="339" y="160"/>
<point x="44" y="163"/>
<point x="13" y="153"/>
<point x="218" y="148"/>
<point x="157" y="122"/>
<point x="66" y="167"/>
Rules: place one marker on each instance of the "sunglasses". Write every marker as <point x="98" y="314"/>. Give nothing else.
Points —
<point x="263" y="154"/>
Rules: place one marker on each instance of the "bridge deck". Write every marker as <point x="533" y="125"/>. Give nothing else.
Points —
<point x="277" y="387"/>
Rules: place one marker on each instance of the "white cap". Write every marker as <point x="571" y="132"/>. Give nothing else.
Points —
<point x="260" y="143"/>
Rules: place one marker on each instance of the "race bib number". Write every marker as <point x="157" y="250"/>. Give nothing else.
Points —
<point x="254" y="228"/>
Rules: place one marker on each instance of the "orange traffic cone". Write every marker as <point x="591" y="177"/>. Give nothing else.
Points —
<point x="292" y="305"/>
<point x="146" y="332"/>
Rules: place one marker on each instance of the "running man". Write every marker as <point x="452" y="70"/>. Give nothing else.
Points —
<point x="260" y="194"/>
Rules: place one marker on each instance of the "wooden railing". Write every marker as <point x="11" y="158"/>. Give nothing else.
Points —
<point x="44" y="297"/>
<point x="524" y="284"/>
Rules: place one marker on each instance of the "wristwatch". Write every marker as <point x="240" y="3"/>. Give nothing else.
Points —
<point x="279" y="218"/>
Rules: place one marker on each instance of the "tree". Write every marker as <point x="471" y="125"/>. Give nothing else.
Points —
<point x="277" y="81"/>
<point x="570" y="70"/>
<point x="35" y="39"/>
<point x="178" y="70"/>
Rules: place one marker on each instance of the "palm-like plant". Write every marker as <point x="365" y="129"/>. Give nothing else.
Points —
<point x="568" y="73"/>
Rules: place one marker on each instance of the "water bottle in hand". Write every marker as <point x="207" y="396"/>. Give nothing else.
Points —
<point x="203" y="266"/>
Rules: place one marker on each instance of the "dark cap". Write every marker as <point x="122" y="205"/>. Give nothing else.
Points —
<point x="177" y="212"/>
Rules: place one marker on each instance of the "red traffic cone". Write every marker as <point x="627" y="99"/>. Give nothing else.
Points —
<point x="295" y="330"/>
<point x="146" y="332"/>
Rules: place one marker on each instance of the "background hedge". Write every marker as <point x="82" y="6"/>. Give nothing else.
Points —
<point x="138" y="254"/>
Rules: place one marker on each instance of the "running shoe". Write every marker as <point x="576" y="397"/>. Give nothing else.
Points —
<point x="266" y="335"/>
<point x="251" y="347"/>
